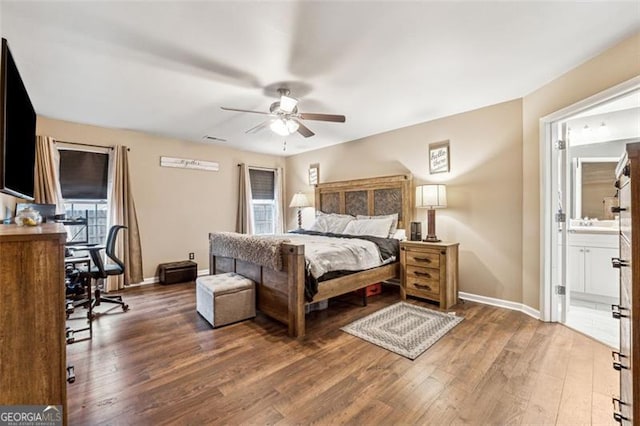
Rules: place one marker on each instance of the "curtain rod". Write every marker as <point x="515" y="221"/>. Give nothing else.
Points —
<point x="86" y="144"/>
<point x="258" y="167"/>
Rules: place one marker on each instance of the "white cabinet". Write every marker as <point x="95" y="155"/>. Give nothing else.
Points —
<point x="599" y="276"/>
<point x="589" y="264"/>
<point x="575" y="259"/>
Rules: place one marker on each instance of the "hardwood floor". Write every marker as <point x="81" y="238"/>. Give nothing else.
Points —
<point x="161" y="363"/>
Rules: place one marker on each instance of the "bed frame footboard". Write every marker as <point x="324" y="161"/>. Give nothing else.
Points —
<point x="280" y="294"/>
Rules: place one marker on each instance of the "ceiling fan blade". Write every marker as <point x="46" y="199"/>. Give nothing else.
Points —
<point x="245" y="110"/>
<point x="323" y="117"/>
<point x="259" y="127"/>
<point x="304" y="130"/>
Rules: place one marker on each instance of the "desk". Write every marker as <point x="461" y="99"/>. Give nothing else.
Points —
<point x="86" y="301"/>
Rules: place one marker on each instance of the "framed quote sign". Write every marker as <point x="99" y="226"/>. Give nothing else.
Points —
<point x="439" y="157"/>
<point x="314" y="174"/>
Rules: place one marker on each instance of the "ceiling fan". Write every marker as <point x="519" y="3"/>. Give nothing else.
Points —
<point x="285" y="117"/>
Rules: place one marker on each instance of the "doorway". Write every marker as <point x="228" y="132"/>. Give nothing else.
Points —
<point x="581" y="148"/>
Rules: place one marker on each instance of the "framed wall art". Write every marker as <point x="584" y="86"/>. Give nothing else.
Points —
<point x="439" y="157"/>
<point x="314" y="174"/>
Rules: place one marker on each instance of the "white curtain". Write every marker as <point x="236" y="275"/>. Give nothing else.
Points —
<point x="122" y="211"/>
<point x="244" y="219"/>
<point x="279" y="200"/>
<point x="46" y="173"/>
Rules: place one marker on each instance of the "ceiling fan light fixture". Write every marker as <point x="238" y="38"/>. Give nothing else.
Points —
<point x="284" y="127"/>
<point x="287" y="103"/>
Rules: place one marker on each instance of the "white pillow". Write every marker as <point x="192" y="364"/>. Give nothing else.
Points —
<point x="394" y="225"/>
<point x="335" y="223"/>
<point x="400" y="234"/>
<point x="374" y="227"/>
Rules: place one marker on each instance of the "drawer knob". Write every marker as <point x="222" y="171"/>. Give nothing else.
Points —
<point x="616" y="312"/>
<point x="617" y="415"/>
<point x="617" y="362"/>
<point x="422" y="286"/>
<point x="422" y="274"/>
<point x="618" y="263"/>
<point x="618" y="209"/>
<point x="422" y="259"/>
<point x="626" y="171"/>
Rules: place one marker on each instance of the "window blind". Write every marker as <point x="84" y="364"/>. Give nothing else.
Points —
<point x="262" y="184"/>
<point x="83" y="175"/>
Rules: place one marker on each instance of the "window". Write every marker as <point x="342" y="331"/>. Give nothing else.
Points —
<point x="84" y="186"/>
<point x="263" y="200"/>
<point x="95" y="232"/>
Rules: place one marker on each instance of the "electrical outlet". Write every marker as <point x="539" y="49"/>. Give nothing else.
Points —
<point x="192" y="256"/>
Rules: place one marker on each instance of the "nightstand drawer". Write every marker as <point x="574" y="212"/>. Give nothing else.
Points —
<point x="424" y="274"/>
<point x="423" y="285"/>
<point x="430" y="259"/>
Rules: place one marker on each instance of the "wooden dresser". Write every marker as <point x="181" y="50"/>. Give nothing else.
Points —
<point x="627" y="361"/>
<point x="429" y="271"/>
<point x="32" y="316"/>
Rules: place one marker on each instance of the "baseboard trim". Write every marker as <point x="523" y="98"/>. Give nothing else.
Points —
<point x="156" y="279"/>
<point x="514" y="306"/>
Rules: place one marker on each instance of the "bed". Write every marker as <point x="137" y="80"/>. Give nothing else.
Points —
<point x="281" y="288"/>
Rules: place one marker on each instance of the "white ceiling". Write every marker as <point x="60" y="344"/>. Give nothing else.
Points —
<point x="166" y="67"/>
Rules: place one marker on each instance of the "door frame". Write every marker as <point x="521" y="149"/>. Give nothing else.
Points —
<point x="547" y="298"/>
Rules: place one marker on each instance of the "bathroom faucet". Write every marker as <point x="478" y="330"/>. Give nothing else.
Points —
<point x="586" y="222"/>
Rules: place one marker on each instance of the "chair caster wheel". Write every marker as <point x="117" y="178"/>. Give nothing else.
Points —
<point x="125" y="308"/>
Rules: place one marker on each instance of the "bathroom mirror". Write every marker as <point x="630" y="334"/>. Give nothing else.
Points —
<point x="594" y="192"/>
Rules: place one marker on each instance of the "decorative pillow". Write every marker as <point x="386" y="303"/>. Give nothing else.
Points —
<point x="374" y="227"/>
<point x="335" y="223"/>
<point x="394" y="225"/>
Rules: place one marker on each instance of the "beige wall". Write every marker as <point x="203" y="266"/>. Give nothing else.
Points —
<point x="614" y="66"/>
<point x="177" y="208"/>
<point x="484" y="186"/>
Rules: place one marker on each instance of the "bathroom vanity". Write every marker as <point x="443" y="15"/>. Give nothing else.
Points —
<point x="591" y="247"/>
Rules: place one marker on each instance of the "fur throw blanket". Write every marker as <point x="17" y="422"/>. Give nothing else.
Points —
<point x="261" y="250"/>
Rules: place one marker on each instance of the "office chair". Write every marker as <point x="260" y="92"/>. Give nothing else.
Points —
<point x="99" y="271"/>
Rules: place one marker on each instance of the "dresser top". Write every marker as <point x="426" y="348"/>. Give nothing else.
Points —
<point x="45" y="230"/>
<point x="427" y="243"/>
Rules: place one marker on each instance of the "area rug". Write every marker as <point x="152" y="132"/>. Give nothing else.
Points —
<point x="405" y="329"/>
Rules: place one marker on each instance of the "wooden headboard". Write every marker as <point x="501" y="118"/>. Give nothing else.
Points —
<point x="371" y="197"/>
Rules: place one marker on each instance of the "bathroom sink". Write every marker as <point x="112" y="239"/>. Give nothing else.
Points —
<point x="591" y="229"/>
<point x="594" y="226"/>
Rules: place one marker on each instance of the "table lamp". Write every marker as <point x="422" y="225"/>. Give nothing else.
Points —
<point x="299" y="201"/>
<point x="433" y="196"/>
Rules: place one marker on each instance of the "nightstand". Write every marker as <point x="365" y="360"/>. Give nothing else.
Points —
<point x="429" y="271"/>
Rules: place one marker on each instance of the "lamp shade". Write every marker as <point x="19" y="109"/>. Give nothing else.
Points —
<point x="431" y="196"/>
<point x="284" y="127"/>
<point x="299" y="200"/>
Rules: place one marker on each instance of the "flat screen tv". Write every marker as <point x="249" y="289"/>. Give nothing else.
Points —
<point x="17" y="131"/>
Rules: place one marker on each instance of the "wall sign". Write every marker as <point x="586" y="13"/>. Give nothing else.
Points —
<point x="314" y="174"/>
<point x="439" y="157"/>
<point x="184" y="163"/>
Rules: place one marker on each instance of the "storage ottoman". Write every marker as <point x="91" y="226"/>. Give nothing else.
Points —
<point x="225" y="298"/>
